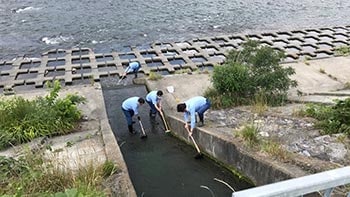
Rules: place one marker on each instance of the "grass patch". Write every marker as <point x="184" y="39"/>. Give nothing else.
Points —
<point x="250" y="134"/>
<point x="34" y="174"/>
<point x="183" y="71"/>
<point x="342" y="50"/>
<point x="153" y="76"/>
<point x="331" y="118"/>
<point x="274" y="149"/>
<point x="259" y="103"/>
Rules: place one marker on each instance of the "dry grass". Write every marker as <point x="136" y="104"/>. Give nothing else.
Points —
<point x="249" y="133"/>
<point x="153" y="76"/>
<point x="259" y="104"/>
<point x="275" y="149"/>
<point x="36" y="174"/>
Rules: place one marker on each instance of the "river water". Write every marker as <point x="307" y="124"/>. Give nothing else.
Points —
<point x="31" y="27"/>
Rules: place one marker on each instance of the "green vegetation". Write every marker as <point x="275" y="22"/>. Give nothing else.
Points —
<point x="253" y="71"/>
<point x="342" y="50"/>
<point x="275" y="149"/>
<point x="34" y="174"/>
<point x="250" y="134"/>
<point x="153" y="76"/>
<point x="183" y="71"/>
<point x="331" y="118"/>
<point x="260" y="103"/>
<point x="22" y="120"/>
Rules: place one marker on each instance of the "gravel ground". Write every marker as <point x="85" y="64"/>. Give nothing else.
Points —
<point x="281" y="124"/>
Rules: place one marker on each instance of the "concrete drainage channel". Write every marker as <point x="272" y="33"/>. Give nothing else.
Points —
<point x="162" y="165"/>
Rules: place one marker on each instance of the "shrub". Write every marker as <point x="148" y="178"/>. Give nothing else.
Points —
<point x="253" y="70"/>
<point x="223" y="100"/>
<point x="22" y="120"/>
<point x="232" y="78"/>
<point x="331" y="118"/>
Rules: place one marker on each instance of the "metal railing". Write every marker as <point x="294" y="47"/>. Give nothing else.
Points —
<point x="324" y="181"/>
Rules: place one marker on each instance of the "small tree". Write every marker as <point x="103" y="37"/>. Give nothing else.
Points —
<point x="252" y="71"/>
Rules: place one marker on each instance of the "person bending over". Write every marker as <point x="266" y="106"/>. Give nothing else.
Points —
<point x="133" y="67"/>
<point x="154" y="99"/>
<point x="130" y="108"/>
<point x="197" y="104"/>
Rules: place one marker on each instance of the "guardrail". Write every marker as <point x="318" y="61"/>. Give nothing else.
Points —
<point x="324" y="181"/>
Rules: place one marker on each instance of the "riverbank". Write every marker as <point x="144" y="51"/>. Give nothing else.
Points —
<point x="304" y="149"/>
<point x="91" y="146"/>
<point x="311" y="152"/>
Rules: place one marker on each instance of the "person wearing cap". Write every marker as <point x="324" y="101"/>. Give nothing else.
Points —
<point x="130" y="108"/>
<point x="197" y="104"/>
<point x="154" y="99"/>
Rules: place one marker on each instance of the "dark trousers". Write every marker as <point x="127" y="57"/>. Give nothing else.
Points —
<point x="153" y="108"/>
<point x="128" y="115"/>
<point x="202" y="109"/>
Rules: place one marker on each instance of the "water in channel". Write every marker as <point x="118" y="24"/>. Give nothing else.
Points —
<point x="162" y="165"/>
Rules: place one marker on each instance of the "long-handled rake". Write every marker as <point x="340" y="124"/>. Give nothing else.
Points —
<point x="167" y="130"/>
<point x="144" y="135"/>
<point x="199" y="154"/>
<point x="120" y="80"/>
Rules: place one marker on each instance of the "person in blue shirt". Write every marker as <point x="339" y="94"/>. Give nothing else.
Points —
<point x="197" y="104"/>
<point x="154" y="99"/>
<point x="133" y="67"/>
<point x="130" y="108"/>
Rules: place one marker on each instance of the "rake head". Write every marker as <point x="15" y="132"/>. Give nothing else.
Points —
<point x="143" y="136"/>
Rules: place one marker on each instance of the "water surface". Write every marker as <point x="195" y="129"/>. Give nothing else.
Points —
<point x="161" y="165"/>
<point x="34" y="26"/>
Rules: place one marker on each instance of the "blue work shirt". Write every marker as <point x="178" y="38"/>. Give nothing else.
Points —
<point x="192" y="106"/>
<point x="131" y="103"/>
<point x="152" y="97"/>
<point x="133" y="67"/>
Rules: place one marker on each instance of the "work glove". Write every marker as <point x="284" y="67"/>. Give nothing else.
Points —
<point x="138" y="118"/>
